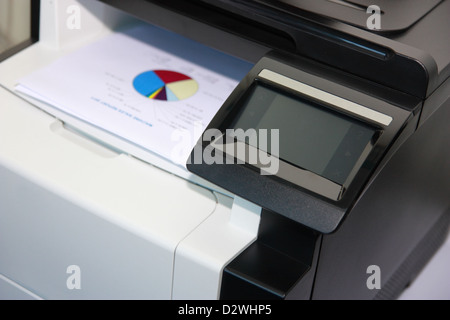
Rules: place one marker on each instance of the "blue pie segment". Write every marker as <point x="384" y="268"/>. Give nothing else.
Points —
<point x="147" y="83"/>
<point x="165" y="85"/>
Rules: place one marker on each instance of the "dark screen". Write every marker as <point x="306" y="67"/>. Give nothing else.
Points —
<point x="312" y="137"/>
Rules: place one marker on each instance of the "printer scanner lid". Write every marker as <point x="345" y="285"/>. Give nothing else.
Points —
<point x="410" y="54"/>
<point x="396" y="15"/>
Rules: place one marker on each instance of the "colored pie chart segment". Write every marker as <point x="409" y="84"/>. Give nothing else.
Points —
<point x="165" y="85"/>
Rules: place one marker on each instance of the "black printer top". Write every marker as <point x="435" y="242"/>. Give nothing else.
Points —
<point x="410" y="52"/>
<point x="396" y="15"/>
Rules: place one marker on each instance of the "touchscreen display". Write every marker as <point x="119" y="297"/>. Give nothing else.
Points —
<point x="311" y="136"/>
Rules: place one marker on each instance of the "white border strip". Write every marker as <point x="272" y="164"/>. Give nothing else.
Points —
<point x="336" y="101"/>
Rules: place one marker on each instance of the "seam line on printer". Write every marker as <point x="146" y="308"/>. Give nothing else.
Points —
<point x="20" y="287"/>
<point x="186" y="236"/>
<point x="316" y="269"/>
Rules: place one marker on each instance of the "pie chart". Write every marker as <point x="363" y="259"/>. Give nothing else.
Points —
<point x="165" y="85"/>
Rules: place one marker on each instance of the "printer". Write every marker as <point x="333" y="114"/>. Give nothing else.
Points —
<point x="345" y="109"/>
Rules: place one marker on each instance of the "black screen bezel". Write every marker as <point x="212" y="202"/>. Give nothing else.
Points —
<point x="271" y="193"/>
<point x="245" y="99"/>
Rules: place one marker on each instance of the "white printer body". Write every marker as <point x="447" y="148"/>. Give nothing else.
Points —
<point x="81" y="221"/>
<point x="87" y="215"/>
